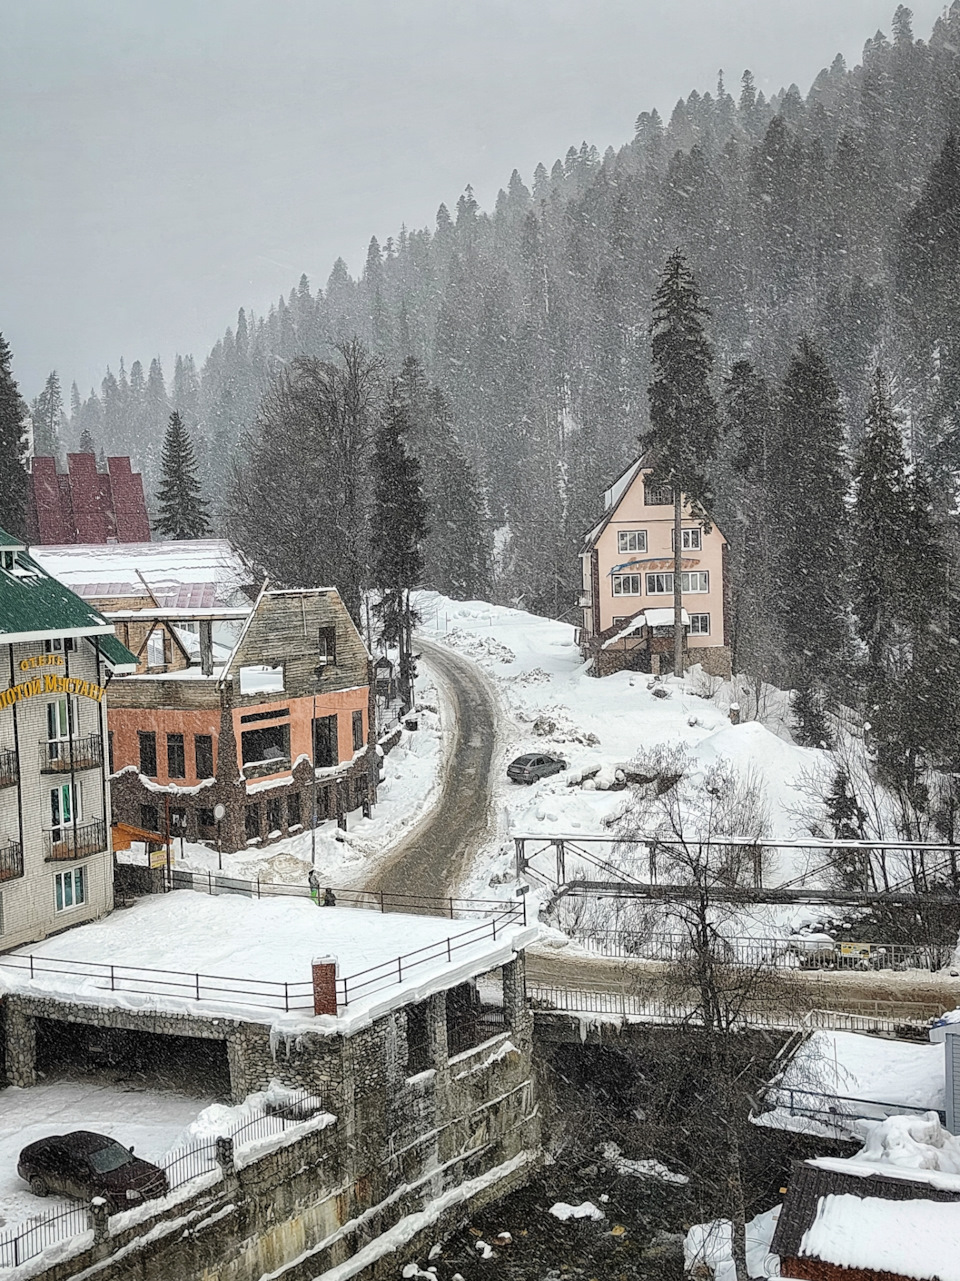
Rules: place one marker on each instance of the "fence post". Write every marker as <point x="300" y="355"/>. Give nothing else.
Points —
<point x="225" y="1159"/>
<point x="448" y="950"/>
<point x="381" y="901"/>
<point x="286" y="997"/>
<point x="112" y="986"/>
<point x="209" y="883"/>
<point x="258" y="885"/>
<point x="196" y="980"/>
<point x="99" y="1220"/>
<point x="451" y="907"/>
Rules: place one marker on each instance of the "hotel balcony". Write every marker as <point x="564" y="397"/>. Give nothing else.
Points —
<point x="69" y="842"/>
<point x="11" y="861"/>
<point x="56" y="756"/>
<point x="9" y="769"/>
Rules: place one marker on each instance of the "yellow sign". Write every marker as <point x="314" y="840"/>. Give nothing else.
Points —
<point x="50" y="684"/>
<point x="856" y="949"/>
<point x="41" y="660"/>
<point x="158" y="858"/>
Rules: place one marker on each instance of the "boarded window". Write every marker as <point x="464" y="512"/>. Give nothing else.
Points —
<point x="176" y="759"/>
<point x="150" y="818"/>
<point x="251" y="820"/>
<point x="203" y="751"/>
<point x="294" y="816"/>
<point x="148" y="752"/>
<point x="328" y="646"/>
<point x="357" y="731"/>
<point x="273" y="814"/>
<point x="325" y="747"/>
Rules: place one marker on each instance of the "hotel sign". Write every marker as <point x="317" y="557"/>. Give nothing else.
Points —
<point x="50" y="683"/>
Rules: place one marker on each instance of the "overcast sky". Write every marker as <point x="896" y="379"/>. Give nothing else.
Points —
<point x="163" y="162"/>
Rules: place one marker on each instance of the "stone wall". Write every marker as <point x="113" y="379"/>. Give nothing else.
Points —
<point x="417" y="1154"/>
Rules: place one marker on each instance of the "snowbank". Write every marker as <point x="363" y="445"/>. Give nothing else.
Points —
<point x="552" y="704"/>
<point x="710" y="1245"/>
<point x="902" y="1238"/>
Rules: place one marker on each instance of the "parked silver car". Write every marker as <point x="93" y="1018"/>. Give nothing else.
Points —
<point x="534" y="765"/>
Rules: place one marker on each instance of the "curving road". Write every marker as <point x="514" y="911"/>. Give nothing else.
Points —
<point x="435" y="858"/>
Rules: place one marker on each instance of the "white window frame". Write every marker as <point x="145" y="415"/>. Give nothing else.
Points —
<point x="76" y="879"/>
<point x="691" y="539"/>
<point x="699" y="631"/>
<point x="72" y="793"/>
<point x="59" y="645"/>
<point x="637" y="536"/>
<point x="620" y="579"/>
<point x="659" y="495"/>
<point x="687" y="579"/>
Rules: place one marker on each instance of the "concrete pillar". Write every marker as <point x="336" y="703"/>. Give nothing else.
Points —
<point x="515" y="1008"/>
<point x="20" y="1045"/>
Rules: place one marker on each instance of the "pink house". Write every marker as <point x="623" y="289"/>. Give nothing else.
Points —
<point x="627" y="585"/>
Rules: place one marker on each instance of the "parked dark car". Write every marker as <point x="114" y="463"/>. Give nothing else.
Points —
<point x="527" y="769"/>
<point x="85" y="1165"/>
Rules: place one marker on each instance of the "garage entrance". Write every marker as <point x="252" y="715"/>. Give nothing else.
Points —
<point x="143" y="1060"/>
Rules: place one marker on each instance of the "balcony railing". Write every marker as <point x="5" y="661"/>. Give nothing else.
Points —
<point x="11" y="861"/>
<point x="9" y="769"/>
<point x="56" y="757"/>
<point x="69" y="842"/>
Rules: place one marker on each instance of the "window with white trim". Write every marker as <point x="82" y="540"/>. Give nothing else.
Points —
<point x="694" y="580"/>
<point x="59" y="645"/>
<point x="70" y="888"/>
<point x="626" y="584"/>
<point x="631" y="540"/>
<point x="657" y="496"/>
<point x="690" y="539"/>
<point x="699" y="624"/>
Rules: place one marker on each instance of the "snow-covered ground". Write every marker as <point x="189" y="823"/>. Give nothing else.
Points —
<point x="855" y="1069"/>
<point x="260" y="945"/>
<point x="152" y="1121"/>
<point x="550" y="703"/>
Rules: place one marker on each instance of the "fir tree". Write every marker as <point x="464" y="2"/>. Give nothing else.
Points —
<point x="183" y="513"/>
<point x="13" y="476"/>
<point x="87" y="443"/>
<point x="684" y="419"/>
<point x="808" y="485"/>
<point x="46" y="414"/>
<point x="881" y="517"/>
<point x="398" y="526"/>
<point x="848" y="821"/>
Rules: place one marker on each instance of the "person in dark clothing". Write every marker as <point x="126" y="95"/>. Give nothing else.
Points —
<point x="314" y="882"/>
<point x="329" y="898"/>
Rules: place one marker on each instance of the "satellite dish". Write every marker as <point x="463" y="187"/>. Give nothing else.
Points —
<point x="219" y="812"/>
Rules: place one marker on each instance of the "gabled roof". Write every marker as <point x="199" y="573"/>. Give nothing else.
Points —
<point x="34" y="605"/>
<point x="612" y="498"/>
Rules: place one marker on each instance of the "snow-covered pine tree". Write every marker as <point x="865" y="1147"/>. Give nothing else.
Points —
<point x="183" y="513"/>
<point x="87" y="443"/>
<point x="881" y="517"/>
<point x="808" y="476"/>
<point x="398" y="526"/>
<point x="848" y="820"/>
<point x="13" y="476"/>
<point x="46" y="413"/>
<point x="684" y="418"/>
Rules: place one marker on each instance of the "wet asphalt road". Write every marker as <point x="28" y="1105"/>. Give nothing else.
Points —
<point x="434" y="859"/>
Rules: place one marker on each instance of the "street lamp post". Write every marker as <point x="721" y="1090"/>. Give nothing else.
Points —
<point x="218" y="813"/>
<point x="313" y="762"/>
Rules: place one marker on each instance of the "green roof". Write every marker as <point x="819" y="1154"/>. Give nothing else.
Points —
<point x="115" y="652"/>
<point x="8" y="540"/>
<point x="34" y="605"/>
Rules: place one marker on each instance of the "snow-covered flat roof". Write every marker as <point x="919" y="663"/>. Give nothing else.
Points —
<point x="903" y="1238"/>
<point x="162" y="944"/>
<point x="210" y="570"/>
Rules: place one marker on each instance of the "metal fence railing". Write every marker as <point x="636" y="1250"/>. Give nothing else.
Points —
<point x="11" y="861"/>
<point x="61" y="755"/>
<point x="74" y="840"/>
<point x="799" y="952"/>
<point x="869" y="1016"/>
<point x="9" y="768"/>
<point x="837" y="1110"/>
<point x="23" y="1241"/>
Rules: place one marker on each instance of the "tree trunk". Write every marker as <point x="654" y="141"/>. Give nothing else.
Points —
<point x="677" y="592"/>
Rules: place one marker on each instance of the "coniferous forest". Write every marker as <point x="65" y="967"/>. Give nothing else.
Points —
<point x="823" y="234"/>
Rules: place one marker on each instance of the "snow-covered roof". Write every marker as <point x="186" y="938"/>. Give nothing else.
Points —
<point x="261" y="944"/>
<point x="620" y="486"/>
<point x="903" y="1238"/>
<point x="181" y="575"/>
<point x="647" y="618"/>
